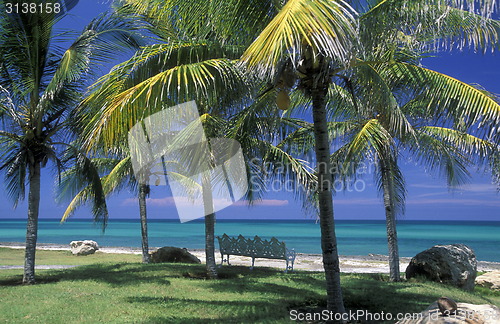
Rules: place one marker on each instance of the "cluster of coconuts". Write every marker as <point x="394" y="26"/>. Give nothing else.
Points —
<point x="310" y="63"/>
<point x="286" y="80"/>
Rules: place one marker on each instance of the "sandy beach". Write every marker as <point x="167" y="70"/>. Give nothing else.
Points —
<point x="372" y="263"/>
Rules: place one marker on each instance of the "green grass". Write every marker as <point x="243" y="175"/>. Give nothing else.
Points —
<point x="10" y="256"/>
<point x="122" y="292"/>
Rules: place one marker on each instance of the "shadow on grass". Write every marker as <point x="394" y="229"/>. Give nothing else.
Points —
<point x="236" y="311"/>
<point x="266" y="295"/>
<point x="242" y="279"/>
<point x="124" y="274"/>
<point x="375" y="294"/>
<point x="117" y="274"/>
<point x="186" y="310"/>
<point x="181" y="320"/>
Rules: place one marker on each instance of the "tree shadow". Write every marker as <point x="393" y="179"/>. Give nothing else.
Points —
<point x="375" y="294"/>
<point x="232" y="311"/>
<point x="181" y="320"/>
<point x="123" y="274"/>
<point x="266" y="299"/>
<point x="247" y="279"/>
<point x="116" y="274"/>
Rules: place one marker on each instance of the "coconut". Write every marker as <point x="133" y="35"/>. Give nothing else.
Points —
<point x="283" y="100"/>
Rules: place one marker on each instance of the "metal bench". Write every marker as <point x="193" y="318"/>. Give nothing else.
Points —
<point x="255" y="248"/>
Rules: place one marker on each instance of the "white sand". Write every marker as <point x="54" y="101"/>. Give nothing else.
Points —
<point x="309" y="262"/>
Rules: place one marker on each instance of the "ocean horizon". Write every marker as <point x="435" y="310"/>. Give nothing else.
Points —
<point x="355" y="237"/>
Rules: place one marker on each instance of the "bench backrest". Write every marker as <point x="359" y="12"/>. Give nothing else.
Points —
<point x="255" y="247"/>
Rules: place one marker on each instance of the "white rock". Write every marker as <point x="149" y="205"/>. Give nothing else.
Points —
<point x="85" y="247"/>
<point x="489" y="280"/>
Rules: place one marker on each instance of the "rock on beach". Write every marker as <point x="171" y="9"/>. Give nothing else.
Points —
<point x="85" y="247"/>
<point x="453" y="264"/>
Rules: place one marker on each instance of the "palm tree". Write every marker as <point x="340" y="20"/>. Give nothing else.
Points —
<point x="377" y="108"/>
<point x="39" y="86"/>
<point x="395" y="42"/>
<point x="118" y="175"/>
<point x="316" y="37"/>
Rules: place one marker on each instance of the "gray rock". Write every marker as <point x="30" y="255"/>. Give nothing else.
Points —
<point x="453" y="264"/>
<point x="173" y="254"/>
<point x="465" y="314"/>
<point x="84" y="247"/>
<point x="489" y="280"/>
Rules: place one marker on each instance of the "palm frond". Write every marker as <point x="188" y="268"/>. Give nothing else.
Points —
<point x="83" y="174"/>
<point x="278" y="166"/>
<point x="377" y="98"/>
<point x="406" y="28"/>
<point x="476" y="148"/>
<point x="157" y="75"/>
<point x="372" y="136"/>
<point x="228" y="21"/>
<point x="326" y="26"/>
<point x="14" y="163"/>
<point x="443" y="96"/>
<point x="438" y="155"/>
<point x="98" y="44"/>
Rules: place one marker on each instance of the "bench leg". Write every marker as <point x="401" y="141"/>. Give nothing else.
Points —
<point x="253" y="262"/>
<point x="224" y="260"/>
<point x="289" y="264"/>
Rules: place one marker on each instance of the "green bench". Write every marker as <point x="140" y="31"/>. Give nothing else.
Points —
<point x="255" y="248"/>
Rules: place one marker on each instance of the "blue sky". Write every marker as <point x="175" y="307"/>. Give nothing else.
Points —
<point x="428" y="197"/>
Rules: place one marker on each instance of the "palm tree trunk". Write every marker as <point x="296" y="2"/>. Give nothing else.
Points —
<point x="32" y="225"/>
<point x="331" y="265"/>
<point x="209" y="228"/>
<point x="390" y="219"/>
<point x="143" y="192"/>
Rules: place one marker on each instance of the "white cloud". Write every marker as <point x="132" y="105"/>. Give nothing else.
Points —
<point x="475" y="187"/>
<point x="457" y="201"/>
<point x="370" y="201"/>
<point x="186" y="202"/>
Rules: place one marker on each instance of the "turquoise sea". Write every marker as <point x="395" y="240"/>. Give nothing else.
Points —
<point x="354" y="237"/>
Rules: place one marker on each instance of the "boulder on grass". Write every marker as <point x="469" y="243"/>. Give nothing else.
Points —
<point x="453" y="264"/>
<point x="465" y="314"/>
<point x="489" y="280"/>
<point x="84" y="247"/>
<point x="173" y="254"/>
